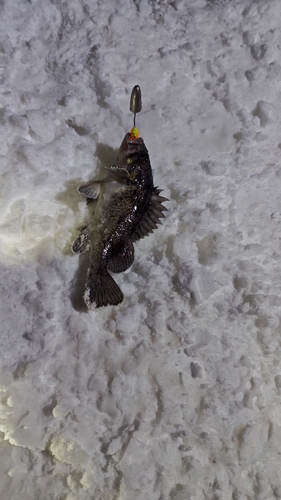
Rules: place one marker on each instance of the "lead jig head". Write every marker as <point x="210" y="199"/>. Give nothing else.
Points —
<point x="135" y="103"/>
<point x="135" y="107"/>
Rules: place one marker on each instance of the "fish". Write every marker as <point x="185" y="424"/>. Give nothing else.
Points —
<point x="128" y="207"/>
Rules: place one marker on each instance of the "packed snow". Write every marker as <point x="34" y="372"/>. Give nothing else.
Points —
<point x="176" y="393"/>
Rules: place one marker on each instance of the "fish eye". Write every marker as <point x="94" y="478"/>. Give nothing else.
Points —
<point x="143" y="156"/>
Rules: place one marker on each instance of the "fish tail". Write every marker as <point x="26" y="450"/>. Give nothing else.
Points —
<point x="101" y="289"/>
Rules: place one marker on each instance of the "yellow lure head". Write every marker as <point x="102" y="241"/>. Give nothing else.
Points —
<point x="134" y="134"/>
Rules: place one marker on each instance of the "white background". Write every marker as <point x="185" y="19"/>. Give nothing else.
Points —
<point x="176" y="393"/>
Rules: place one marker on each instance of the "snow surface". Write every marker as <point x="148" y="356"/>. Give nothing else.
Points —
<point x="175" y="394"/>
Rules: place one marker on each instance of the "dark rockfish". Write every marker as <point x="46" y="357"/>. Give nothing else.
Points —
<point x="128" y="208"/>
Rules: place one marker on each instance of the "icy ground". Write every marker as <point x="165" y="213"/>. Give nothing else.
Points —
<point x="175" y="394"/>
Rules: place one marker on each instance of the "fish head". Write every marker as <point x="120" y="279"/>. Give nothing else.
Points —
<point x="133" y="159"/>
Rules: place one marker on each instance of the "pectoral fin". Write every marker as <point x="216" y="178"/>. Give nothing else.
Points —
<point x="81" y="244"/>
<point x="91" y="189"/>
<point x="119" y="172"/>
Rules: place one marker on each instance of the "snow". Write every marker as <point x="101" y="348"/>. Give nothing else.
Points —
<point x="176" y="393"/>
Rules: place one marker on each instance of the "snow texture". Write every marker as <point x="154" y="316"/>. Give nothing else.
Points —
<point x="176" y="393"/>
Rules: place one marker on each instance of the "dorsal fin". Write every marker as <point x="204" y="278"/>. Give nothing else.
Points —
<point x="121" y="257"/>
<point x="152" y="216"/>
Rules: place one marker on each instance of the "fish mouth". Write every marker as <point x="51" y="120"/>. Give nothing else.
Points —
<point x="129" y="147"/>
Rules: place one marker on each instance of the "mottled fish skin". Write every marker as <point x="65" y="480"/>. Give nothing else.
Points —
<point x="128" y="208"/>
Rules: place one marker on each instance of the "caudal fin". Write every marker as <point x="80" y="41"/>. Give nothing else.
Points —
<point x="102" y="290"/>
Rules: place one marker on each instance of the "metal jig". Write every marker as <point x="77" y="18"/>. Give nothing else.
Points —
<point x="135" y="107"/>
